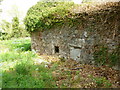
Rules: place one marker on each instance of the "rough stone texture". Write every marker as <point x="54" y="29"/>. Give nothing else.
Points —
<point x="80" y="41"/>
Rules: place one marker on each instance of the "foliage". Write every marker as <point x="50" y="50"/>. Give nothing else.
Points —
<point x="6" y="29"/>
<point x="11" y="30"/>
<point x="100" y="55"/>
<point x="103" y="57"/>
<point x="101" y="81"/>
<point x="44" y="15"/>
<point x="5" y="25"/>
<point x="15" y="26"/>
<point x="114" y="57"/>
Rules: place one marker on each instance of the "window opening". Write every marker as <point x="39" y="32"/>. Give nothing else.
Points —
<point x="56" y="49"/>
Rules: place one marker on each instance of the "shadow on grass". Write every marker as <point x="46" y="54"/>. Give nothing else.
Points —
<point x="25" y="47"/>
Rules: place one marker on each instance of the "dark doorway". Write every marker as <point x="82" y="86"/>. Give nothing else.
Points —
<point x="56" y="49"/>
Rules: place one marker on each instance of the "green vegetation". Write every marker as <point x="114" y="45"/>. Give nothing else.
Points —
<point x="19" y="69"/>
<point x="102" y="82"/>
<point x="44" y="15"/>
<point x="15" y="27"/>
<point x="103" y="57"/>
<point x="49" y="13"/>
<point x="100" y="55"/>
<point x="25" y="75"/>
<point x="18" y="62"/>
<point x="17" y="44"/>
<point x="12" y="30"/>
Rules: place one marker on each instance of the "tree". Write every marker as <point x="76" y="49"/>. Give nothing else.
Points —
<point x="6" y="29"/>
<point x="18" y="30"/>
<point x="15" y="27"/>
<point x="5" y="26"/>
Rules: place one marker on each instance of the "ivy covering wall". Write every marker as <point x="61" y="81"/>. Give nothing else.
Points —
<point x="44" y="15"/>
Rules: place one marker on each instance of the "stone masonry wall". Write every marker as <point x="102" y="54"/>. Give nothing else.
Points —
<point x="80" y="41"/>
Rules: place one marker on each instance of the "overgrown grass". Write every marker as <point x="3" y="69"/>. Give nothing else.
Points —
<point x="19" y="69"/>
<point x="28" y="76"/>
<point x="17" y="44"/>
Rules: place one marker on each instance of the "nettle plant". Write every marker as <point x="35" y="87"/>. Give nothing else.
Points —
<point x="44" y="15"/>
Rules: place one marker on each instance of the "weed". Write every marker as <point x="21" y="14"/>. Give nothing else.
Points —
<point x="101" y="81"/>
<point x="103" y="57"/>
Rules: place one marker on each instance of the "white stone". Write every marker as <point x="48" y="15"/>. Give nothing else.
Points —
<point x="75" y="54"/>
<point x="85" y="34"/>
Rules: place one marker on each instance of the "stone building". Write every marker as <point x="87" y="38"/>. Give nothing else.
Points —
<point x="94" y="29"/>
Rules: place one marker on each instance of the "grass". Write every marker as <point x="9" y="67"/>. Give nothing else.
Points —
<point x="18" y="68"/>
<point x="101" y="81"/>
<point x="17" y="44"/>
<point x="26" y="76"/>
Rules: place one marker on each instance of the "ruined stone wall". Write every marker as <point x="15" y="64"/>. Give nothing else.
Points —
<point x="80" y="41"/>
